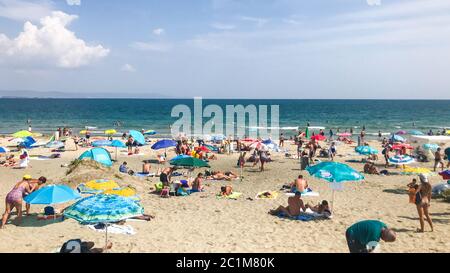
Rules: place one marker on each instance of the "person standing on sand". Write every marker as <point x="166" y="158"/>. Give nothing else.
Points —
<point x="423" y="202"/>
<point x="281" y="140"/>
<point x="359" y="235"/>
<point x="14" y="199"/>
<point x="438" y="159"/>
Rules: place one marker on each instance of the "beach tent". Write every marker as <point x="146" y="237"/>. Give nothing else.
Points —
<point x="100" y="155"/>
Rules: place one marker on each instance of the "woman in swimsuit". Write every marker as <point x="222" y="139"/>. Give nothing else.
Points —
<point x="423" y="199"/>
<point x="14" y="199"/>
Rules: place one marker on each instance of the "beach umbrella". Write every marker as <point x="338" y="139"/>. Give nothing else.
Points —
<point x="366" y="150"/>
<point x="117" y="144"/>
<point x="401" y="160"/>
<point x="397" y="138"/>
<point x="110" y="132"/>
<point x="318" y="137"/>
<point x="438" y="189"/>
<point x="259" y="145"/>
<point x="102" y="185"/>
<point x="401" y="132"/>
<point x="180" y="157"/>
<point x="190" y="162"/>
<point x="138" y="136"/>
<point x="28" y="142"/>
<point x="101" y="143"/>
<point x="52" y="194"/>
<point x="402" y="146"/>
<point x="268" y="141"/>
<point x="203" y="148"/>
<point x="211" y="147"/>
<point x="344" y="134"/>
<point x="54" y="145"/>
<point x="150" y="133"/>
<point x="3" y="150"/>
<point x="430" y="146"/>
<point x="22" y="134"/>
<point x="105" y="209"/>
<point x="335" y="173"/>
<point x="445" y="175"/>
<point x="416" y="133"/>
<point x="164" y="144"/>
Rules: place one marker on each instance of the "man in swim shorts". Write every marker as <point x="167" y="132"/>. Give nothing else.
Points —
<point x="295" y="204"/>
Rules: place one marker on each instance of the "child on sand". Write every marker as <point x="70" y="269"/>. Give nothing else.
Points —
<point x="413" y="186"/>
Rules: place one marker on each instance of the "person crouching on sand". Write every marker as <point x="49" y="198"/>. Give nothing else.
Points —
<point x="295" y="204"/>
<point x="359" y="236"/>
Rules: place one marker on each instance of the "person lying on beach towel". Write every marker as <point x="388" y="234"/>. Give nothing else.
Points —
<point x="226" y="192"/>
<point x="321" y="208"/>
<point x="267" y="195"/>
<point x="295" y="205"/>
<point x="370" y="168"/>
<point x="219" y="175"/>
<point x="8" y="162"/>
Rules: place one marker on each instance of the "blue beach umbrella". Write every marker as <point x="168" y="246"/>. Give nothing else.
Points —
<point x="164" y="144"/>
<point x="430" y="146"/>
<point x="101" y="143"/>
<point x="415" y="133"/>
<point x="117" y="144"/>
<point x="52" y="194"/>
<point x="3" y="150"/>
<point x="138" y="136"/>
<point x="401" y="160"/>
<point x="150" y="133"/>
<point x="397" y="138"/>
<point x="366" y="150"/>
<point x="180" y="157"/>
<point x="334" y="172"/>
<point x="104" y="208"/>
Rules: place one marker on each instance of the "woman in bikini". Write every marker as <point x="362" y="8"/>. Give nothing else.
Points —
<point x="423" y="199"/>
<point x="14" y="199"/>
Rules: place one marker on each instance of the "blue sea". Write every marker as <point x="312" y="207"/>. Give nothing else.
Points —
<point x="387" y="116"/>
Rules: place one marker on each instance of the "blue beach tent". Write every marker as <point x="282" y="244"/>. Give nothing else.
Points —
<point x="100" y="155"/>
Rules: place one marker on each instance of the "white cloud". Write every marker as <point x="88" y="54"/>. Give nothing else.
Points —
<point x="51" y="43"/>
<point x="221" y="26"/>
<point x="373" y="2"/>
<point x="158" y="31"/>
<point x="73" y="2"/>
<point x="21" y="10"/>
<point x="258" y="21"/>
<point x="152" y="46"/>
<point x="128" y="68"/>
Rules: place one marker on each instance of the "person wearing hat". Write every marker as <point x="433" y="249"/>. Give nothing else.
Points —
<point x="14" y="199"/>
<point x="423" y="199"/>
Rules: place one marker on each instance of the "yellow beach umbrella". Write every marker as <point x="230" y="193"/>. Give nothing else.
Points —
<point x="102" y="184"/>
<point x="125" y="192"/>
<point x="22" y="134"/>
<point x="110" y="132"/>
<point x="448" y="132"/>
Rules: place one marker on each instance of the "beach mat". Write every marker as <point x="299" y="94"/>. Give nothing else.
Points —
<point x="306" y="216"/>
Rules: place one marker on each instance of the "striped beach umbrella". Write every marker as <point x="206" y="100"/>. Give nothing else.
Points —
<point x="401" y="160"/>
<point x="104" y="208"/>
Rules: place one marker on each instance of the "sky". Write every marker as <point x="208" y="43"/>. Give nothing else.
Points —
<point x="293" y="49"/>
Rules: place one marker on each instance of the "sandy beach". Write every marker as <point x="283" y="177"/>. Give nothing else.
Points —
<point x="203" y="223"/>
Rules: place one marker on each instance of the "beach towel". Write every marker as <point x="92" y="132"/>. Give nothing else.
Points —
<point x="83" y="189"/>
<point x="306" y="216"/>
<point x="273" y="195"/>
<point x="234" y="196"/>
<point x="144" y="174"/>
<point x="305" y="194"/>
<point x="115" y="229"/>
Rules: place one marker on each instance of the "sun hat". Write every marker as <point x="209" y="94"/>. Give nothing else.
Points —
<point x="423" y="178"/>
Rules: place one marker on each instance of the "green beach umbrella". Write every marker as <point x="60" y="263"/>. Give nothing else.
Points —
<point x="189" y="162"/>
<point x="335" y="173"/>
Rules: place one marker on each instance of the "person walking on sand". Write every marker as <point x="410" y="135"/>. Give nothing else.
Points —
<point x="423" y="202"/>
<point x="361" y="235"/>
<point x="438" y="159"/>
<point x="14" y="199"/>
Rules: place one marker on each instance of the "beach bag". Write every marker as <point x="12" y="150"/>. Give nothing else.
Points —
<point x="49" y="211"/>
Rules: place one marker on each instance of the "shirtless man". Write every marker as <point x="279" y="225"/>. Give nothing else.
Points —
<point x="295" y="204"/>
<point x="299" y="185"/>
<point x="438" y="159"/>
<point x="146" y="167"/>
